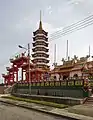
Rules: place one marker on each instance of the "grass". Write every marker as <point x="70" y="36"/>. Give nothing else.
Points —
<point x="52" y="104"/>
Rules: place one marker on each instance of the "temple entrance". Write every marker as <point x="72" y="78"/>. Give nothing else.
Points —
<point x="75" y="75"/>
<point x="65" y="77"/>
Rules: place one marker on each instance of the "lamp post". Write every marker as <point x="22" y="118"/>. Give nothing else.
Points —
<point x="28" y="49"/>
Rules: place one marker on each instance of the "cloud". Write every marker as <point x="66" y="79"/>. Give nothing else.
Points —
<point x="24" y="23"/>
<point x="75" y="1"/>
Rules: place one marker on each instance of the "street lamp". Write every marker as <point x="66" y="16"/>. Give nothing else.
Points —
<point x="28" y="64"/>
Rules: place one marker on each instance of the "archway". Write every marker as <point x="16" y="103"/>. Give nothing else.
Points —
<point x="75" y="75"/>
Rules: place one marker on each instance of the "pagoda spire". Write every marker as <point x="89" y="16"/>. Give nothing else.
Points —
<point x="40" y="23"/>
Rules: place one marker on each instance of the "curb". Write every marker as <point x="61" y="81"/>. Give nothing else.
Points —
<point x="43" y="111"/>
<point x="39" y="110"/>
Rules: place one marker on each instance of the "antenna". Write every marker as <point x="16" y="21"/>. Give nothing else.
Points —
<point x="67" y="51"/>
<point x="40" y="15"/>
<point x="40" y="23"/>
<point x="55" y="55"/>
<point x="89" y="50"/>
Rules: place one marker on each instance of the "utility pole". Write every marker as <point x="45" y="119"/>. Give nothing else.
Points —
<point x="55" y="64"/>
<point x="89" y="50"/>
<point x="67" y="51"/>
<point x="29" y="68"/>
<point x="55" y="56"/>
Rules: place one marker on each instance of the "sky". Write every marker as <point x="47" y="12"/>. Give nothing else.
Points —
<point x="19" y="18"/>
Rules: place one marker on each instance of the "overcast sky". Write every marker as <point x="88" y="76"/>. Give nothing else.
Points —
<point x="19" y="18"/>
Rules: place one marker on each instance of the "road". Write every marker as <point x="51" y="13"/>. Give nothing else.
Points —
<point x="9" y="112"/>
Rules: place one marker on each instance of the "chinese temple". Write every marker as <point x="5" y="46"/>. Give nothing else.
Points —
<point x="38" y="67"/>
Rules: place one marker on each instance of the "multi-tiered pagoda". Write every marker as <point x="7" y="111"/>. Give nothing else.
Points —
<point x="40" y="48"/>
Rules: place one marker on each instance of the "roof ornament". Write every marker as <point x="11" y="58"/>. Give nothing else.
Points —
<point x="40" y="23"/>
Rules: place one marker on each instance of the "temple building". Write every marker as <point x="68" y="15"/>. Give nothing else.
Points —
<point x="40" y="47"/>
<point x="74" y="69"/>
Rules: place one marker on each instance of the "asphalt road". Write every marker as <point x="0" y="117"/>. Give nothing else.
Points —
<point x="9" y="112"/>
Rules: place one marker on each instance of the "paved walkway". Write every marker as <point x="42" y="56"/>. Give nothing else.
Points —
<point x="10" y="112"/>
<point x="50" y="110"/>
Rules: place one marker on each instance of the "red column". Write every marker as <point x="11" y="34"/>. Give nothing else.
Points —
<point x="13" y="73"/>
<point x="39" y="77"/>
<point x="9" y="80"/>
<point x="5" y="81"/>
<point x="36" y="76"/>
<point x="17" y="76"/>
<point x="22" y="73"/>
<point x="31" y="76"/>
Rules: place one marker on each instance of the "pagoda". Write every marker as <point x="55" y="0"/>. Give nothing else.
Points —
<point x="40" y="47"/>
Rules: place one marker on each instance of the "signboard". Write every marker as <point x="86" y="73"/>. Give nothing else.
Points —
<point x="51" y="83"/>
<point x="71" y="83"/>
<point x="78" y="83"/>
<point x="57" y="83"/>
<point x="63" y="83"/>
<point x="47" y="83"/>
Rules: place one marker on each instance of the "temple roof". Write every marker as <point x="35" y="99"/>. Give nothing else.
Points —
<point x="24" y="66"/>
<point x="12" y="69"/>
<point x="17" y="60"/>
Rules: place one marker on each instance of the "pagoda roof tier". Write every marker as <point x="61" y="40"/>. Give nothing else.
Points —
<point x="39" y="54"/>
<point x="17" y="60"/>
<point x="40" y="38"/>
<point x="43" y="52"/>
<point x="41" y="59"/>
<point x="40" y="44"/>
<point x="25" y="66"/>
<point x="40" y="31"/>
<point x="40" y="49"/>
<point x="40" y="41"/>
<point x="43" y="66"/>
<point x="12" y="69"/>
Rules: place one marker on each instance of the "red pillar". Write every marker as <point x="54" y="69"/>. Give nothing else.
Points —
<point x="9" y="80"/>
<point x="13" y="73"/>
<point x="22" y="73"/>
<point x="5" y="81"/>
<point x="36" y="76"/>
<point x="17" y="76"/>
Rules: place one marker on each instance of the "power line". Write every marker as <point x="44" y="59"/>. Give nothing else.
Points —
<point x="72" y="29"/>
<point x="73" y="26"/>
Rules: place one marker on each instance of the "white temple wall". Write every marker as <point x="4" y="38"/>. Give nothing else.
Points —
<point x="57" y="76"/>
<point x="79" y="73"/>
